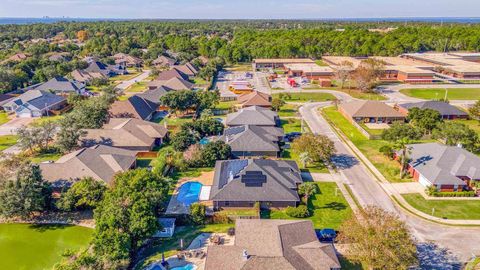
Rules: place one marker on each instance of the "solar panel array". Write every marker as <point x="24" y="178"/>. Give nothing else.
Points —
<point x="254" y="179"/>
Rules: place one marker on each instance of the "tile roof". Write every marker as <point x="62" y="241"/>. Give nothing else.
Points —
<point x="99" y="162"/>
<point x="277" y="180"/>
<point x="253" y="115"/>
<point x="442" y="164"/>
<point x="273" y="244"/>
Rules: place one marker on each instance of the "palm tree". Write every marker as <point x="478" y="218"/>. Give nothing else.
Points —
<point x="307" y="189"/>
<point x="305" y="158"/>
<point x="402" y="144"/>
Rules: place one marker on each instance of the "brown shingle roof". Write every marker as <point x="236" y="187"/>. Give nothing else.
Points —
<point x="369" y="108"/>
<point x="255" y="98"/>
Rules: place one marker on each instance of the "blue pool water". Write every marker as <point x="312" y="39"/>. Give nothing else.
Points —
<point x="185" y="267"/>
<point x="188" y="193"/>
<point x="204" y="141"/>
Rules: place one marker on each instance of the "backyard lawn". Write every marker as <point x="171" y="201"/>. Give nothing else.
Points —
<point x="41" y="120"/>
<point x="7" y="140"/>
<point x="370" y="148"/>
<point x="41" y="157"/>
<point x="329" y="211"/>
<point x="169" y="246"/>
<point x="175" y="121"/>
<point x="37" y="247"/>
<point x="225" y="105"/>
<point x="451" y="209"/>
<point x="291" y="125"/>
<point x="439" y="93"/>
<point x="304" y="97"/>
<point x="288" y="110"/>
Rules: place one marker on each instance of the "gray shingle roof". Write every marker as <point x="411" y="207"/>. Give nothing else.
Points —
<point x="277" y="180"/>
<point x="443" y="108"/>
<point x="61" y="84"/>
<point x="252" y="138"/>
<point x="99" y="162"/>
<point x="442" y="164"/>
<point x="135" y="106"/>
<point x="36" y="98"/>
<point x="253" y="115"/>
<point x="154" y="95"/>
<point x="273" y="244"/>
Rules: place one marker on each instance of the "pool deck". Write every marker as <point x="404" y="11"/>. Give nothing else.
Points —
<point x="201" y="242"/>
<point x="175" y="207"/>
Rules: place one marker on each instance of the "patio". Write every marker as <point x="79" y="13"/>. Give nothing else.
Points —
<point x="377" y="125"/>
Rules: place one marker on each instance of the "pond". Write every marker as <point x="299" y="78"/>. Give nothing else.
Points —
<point x="28" y="246"/>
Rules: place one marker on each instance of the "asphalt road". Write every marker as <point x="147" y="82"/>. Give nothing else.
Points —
<point x="440" y="247"/>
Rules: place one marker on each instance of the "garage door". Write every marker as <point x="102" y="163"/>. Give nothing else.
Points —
<point x="24" y="115"/>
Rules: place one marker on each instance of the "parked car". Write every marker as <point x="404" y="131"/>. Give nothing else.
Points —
<point x="326" y="235"/>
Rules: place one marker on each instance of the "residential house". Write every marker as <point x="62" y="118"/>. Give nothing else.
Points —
<point x="173" y="84"/>
<point x="446" y="110"/>
<point x="448" y="168"/>
<point x="100" y="162"/>
<point x="85" y="76"/>
<point x="243" y="182"/>
<point x="253" y="141"/>
<point x="134" y="107"/>
<point x="254" y="116"/>
<point x="154" y="95"/>
<point x="187" y="69"/>
<point x="164" y="62"/>
<point x="106" y="70"/>
<point x="18" y="57"/>
<point x="127" y="60"/>
<point x="62" y="85"/>
<point x="34" y="103"/>
<point x="171" y="73"/>
<point x="127" y="133"/>
<point x="254" y="98"/>
<point x="264" y="244"/>
<point x="59" y="57"/>
<point x="369" y="111"/>
<point x="5" y="98"/>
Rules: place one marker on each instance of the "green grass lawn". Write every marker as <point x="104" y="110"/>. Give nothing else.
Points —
<point x="304" y="97"/>
<point x="473" y="124"/>
<point x="225" y="105"/>
<point x="3" y="118"/>
<point x="321" y="63"/>
<point x="372" y="132"/>
<point x="288" y="110"/>
<point x="7" y="140"/>
<point x="451" y="209"/>
<point x="175" y="121"/>
<point x="370" y="148"/>
<point x="137" y="87"/>
<point x="126" y="77"/>
<point x="169" y="246"/>
<point x="291" y="125"/>
<point x="238" y="212"/>
<point x="38" y="247"/>
<point x="41" y="157"/>
<point x="144" y="162"/>
<point x="362" y="95"/>
<point x="329" y="211"/>
<point x="314" y="167"/>
<point x="200" y="81"/>
<point x="94" y="89"/>
<point x="41" y="120"/>
<point x="439" y="93"/>
<point x="240" y="67"/>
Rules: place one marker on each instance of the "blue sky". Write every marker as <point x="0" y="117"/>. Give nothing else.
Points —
<point x="239" y="9"/>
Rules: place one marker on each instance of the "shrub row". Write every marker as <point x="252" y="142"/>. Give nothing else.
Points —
<point x="453" y="194"/>
<point x="298" y="212"/>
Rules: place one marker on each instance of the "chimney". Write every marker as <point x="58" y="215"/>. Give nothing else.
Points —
<point x="245" y="255"/>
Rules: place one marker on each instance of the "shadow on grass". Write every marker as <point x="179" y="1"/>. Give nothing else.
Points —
<point x="335" y="206"/>
<point x="48" y="227"/>
<point x="349" y="265"/>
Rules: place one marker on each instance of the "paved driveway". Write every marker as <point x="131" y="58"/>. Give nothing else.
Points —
<point x="125" y="84"/>
<point x="11" y="126"/>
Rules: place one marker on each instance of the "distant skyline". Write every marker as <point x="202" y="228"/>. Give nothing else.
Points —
<point x="243" y="9"/>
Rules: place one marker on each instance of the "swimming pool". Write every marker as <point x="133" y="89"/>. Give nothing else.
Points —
<point x="204" y="141"/>
<point x="185" y="267"/>
<point x="188" y="193"/>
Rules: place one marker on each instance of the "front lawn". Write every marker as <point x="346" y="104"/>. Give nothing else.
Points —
<point x="329" y="208"/>
<point x="390" y="169"/>
<point x="126" y="77"/>
<point x="439" y="93"/>
<point x="49" y="156"/>
<point x="288" y="110"/>
<point x="7" y="140"/>
<point x="169" y="246"/>
<point x="225" y="105"/>
<point x="362" y="95"/>
<point x="238" y="212"/>
<point x="43" y="119"/>
<point x="314" y="167"/>
<point x="291" y="125"/>
<point x="451" y="209"/>
<point x="305" y="97"/>
<point x="138" y="87"/>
